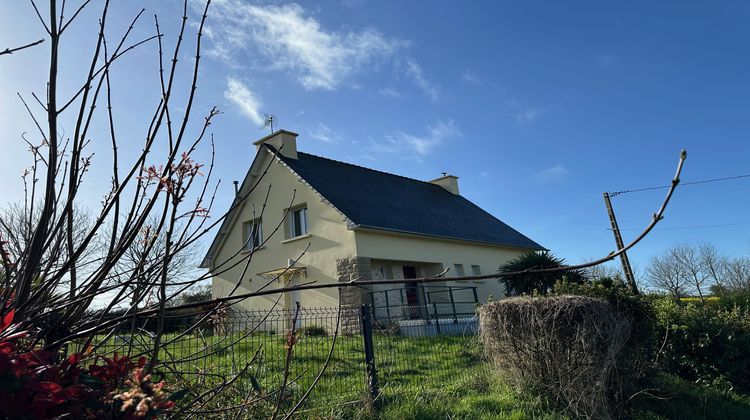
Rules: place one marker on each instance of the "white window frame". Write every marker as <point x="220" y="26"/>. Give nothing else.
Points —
<point x="304" y="227"/>
<point x="250" y="241"/>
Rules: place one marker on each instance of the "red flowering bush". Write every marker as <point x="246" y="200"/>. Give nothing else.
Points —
<point x="41" y="384"/>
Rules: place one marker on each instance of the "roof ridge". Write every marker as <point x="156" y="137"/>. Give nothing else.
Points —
<point x="369" y="169"/>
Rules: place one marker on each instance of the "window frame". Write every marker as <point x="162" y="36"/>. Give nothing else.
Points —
<point x="459" y="268"/>
<point x="248" y="243"/>
<point x="291" y="223"/>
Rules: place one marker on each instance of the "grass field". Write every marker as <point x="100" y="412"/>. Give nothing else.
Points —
<point x="420" y="378"/>
<point x="404" y="365"/>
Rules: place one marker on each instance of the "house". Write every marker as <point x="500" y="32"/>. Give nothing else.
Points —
<point x="344" y="222"/>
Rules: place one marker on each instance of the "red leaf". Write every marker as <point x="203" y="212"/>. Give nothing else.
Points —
<point x="44" y="386"/>
<point x="74" y="358"/>
<point x="7" y="320"/>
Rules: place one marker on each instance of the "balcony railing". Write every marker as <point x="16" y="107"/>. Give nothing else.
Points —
<point x="424" y="302"/>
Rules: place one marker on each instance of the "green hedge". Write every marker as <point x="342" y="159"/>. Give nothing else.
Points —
<point x="704" y="343"/>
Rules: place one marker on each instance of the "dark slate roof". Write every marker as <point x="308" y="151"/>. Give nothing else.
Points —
<point x="380" y="200"/>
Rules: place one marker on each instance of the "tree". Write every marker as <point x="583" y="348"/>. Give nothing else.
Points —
<point x="737" y="275"/>
<point x="528" y="283"/>
<point x="667" y="274"/>
<point x="693" y="265"/>
<point x="195" y="295"/>
<point x="151" y="215"/>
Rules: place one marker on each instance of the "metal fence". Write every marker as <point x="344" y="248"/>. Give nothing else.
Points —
<point x="380" y="352"/>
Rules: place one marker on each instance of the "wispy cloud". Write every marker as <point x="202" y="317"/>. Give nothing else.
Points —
<point x="414" y="146"/>
<point x="414" y="70"/>
<point x="245" y="101"/>
<point x="524" y="114"/>
<point x="323" y="133"/>
<point x="552" y="174"/>
<point x="390" y="92"/>
<point x="292" y="40"/>
<point x="471" y="78"/>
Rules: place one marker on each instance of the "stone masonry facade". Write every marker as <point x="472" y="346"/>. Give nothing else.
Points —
<point x="348" y="269"/>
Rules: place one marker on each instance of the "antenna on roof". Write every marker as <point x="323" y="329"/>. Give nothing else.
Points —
<point x="268" y="120"/>
<point x="445" y="173"/>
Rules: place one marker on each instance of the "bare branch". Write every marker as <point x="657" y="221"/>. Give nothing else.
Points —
<point x="22" y="47"/>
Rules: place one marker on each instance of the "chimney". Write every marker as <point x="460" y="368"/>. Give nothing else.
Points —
<point x="447" y="181"/>
<point x="285" y="142"/>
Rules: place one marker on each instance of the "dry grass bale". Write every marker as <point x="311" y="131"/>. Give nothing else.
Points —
<point x="565" y="347"/>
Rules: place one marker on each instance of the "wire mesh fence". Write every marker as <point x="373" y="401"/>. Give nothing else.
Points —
<point x="408" y="346"/>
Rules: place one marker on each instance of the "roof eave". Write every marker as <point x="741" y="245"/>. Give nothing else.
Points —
<point x="449" y="238"/>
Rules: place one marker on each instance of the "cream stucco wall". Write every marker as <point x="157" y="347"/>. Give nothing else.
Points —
<point x="329" y="239"/>
<point x="380" y="245"/>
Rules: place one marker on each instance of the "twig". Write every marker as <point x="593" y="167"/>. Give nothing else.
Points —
<point x="12" y="50"/>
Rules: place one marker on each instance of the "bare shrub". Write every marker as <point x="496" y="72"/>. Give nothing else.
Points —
<point x="565" y="347"/>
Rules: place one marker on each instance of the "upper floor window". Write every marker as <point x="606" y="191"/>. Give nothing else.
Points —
<point x="252" y="234"/>
<point x="297" y="222"/>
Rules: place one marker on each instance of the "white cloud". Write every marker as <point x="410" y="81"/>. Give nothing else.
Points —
<point x="289" y="39"/>
<point x="552" y="174"/>
<point x="471" y="78"/>
<point x="247" y="103"/>
<point x="409" y="145"/>
<point x="323" y="133"/>
<point x="527" y="115"/>
<point x="414" y="70"/>
<point x="524" y="114"/>
<point x="390" y="92"/>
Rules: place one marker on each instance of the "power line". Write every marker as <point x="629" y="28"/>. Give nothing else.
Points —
<point x="694" y="227"/>
<point x="705" y="181"/>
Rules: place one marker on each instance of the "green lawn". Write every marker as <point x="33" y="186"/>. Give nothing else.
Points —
<point x="420" y="378"/>
<point x="404" y="365"/>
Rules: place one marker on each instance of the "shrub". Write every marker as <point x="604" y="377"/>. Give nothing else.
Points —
<point x="314" y="331"/>
<point x="529" y="283"/>
<point x="705" y="344"/>
<point x="37" y="383"/>
<point x="566" y="347"/>
<point x="640" y="350"/>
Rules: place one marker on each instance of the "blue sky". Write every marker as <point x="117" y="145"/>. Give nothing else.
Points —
<point x="537" y="106"/>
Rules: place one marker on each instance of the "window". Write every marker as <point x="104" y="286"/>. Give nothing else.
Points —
<point x="252" y="235"/>
<point x="297" y="222"/>
<point x="459" y="269"/>
<point x="475" y="270"/>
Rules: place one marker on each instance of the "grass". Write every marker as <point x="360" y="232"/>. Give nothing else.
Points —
<point x="405" y="365"/>
<point x="420" y="378"/>
<point x="679" y="399"/>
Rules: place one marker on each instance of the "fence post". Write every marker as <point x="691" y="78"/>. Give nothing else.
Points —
<point x="437" y="319"/>
<point x="370" y="371"/>
<point x="453" y="305"/>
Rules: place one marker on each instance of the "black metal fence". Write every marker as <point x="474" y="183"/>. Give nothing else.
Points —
<point x="377" y="354"/>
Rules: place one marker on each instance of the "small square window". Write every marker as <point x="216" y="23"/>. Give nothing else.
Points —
<point x="459" y="269"/>
<point x="297" y="222"/>
<point x="252" y="235"/>
<point x="476" y="270"/>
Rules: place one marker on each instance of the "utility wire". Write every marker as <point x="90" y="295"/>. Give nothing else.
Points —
<point x="694" y="227"/>
<point x="705" y="181"/>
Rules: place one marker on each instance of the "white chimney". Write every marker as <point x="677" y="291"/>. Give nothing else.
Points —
<point x="285" y="142"/>
<point x="447" y="181"/>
